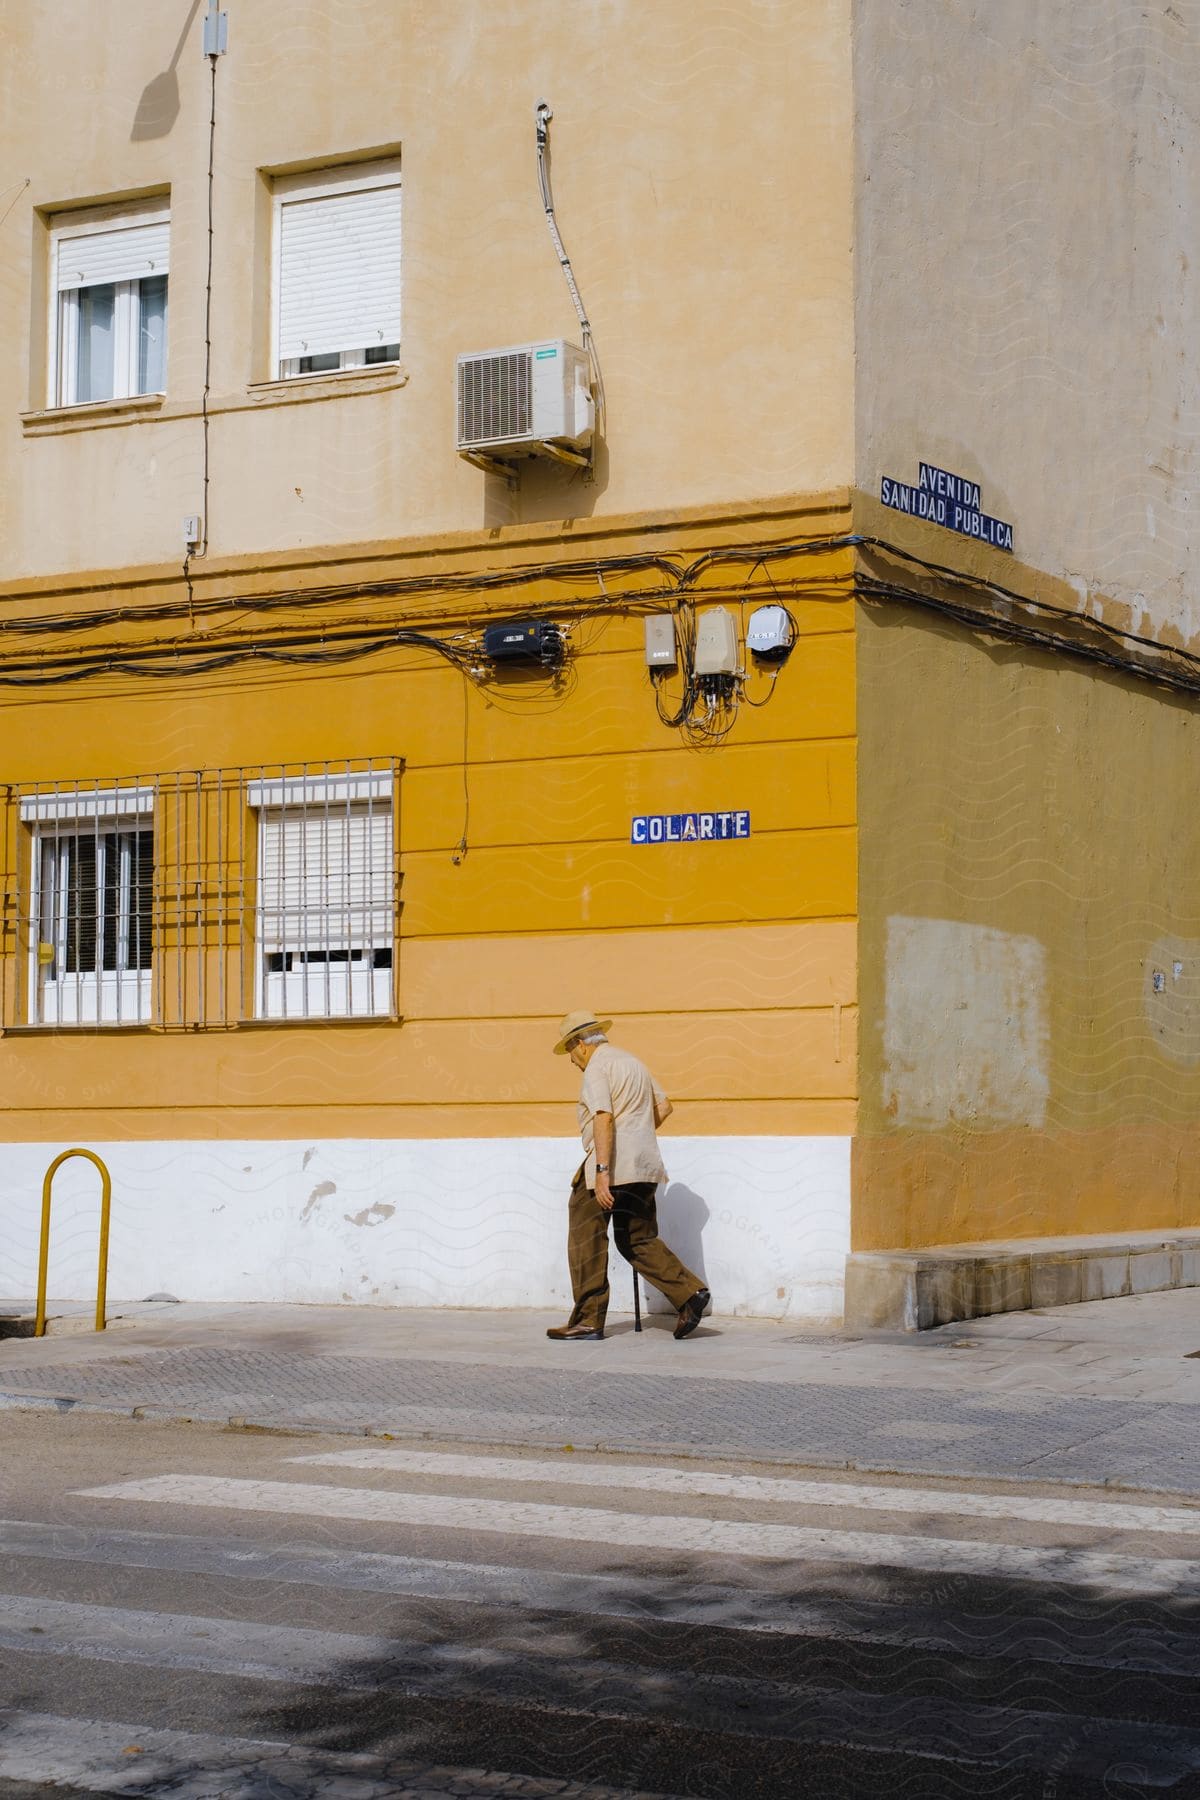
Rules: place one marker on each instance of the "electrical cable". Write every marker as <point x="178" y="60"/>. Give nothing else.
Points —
<point x="542" y="117"/>
<point x="982" y="605"/>
<point x="20" y="187"/>
<point x="208" y="294"/>
<point x="459" y="854"/>
<point x="190" y="549"/>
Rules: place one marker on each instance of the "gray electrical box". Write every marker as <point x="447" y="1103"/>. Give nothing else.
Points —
<point x="660" y="641"/>
<point x="716" y="642"/>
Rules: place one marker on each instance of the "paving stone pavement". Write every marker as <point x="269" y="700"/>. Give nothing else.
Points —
<point x="998" y="1431"/>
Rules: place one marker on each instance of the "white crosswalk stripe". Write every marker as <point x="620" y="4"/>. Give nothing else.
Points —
<point x="1109" y="1515"/>
<point x="795" y="1621"/>
<point x="678" y="1532"/>
<point x="594" y="1689"/>
<point x="733" y="1608"/>
<point x="102" y="1757"/>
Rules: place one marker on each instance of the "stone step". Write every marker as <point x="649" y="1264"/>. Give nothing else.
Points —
<point x="63" y="1318"/>
<point x="914" y="1290"/>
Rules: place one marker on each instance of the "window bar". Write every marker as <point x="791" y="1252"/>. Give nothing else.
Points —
<point x="56" y="890"/>
<point x="64" y="874"/>
<point x="96" y="922"/>
<point x="221" y="900"/>
<point x="314" y="824"/>
<point x="281" y="857"/>
<point x="147" y="911"/>
<point x="158" y="946"/>
<point x="38" y="974"/>
<point x="369" y="932"/>
<point x="9" y="895"/>
<point x="363" y="820"/>
<point x="371" y="922"/>
<point x="50" y="874"/>
<point x="307" y="885"/>
<point x="45" y="924"/>
<point x="62" y="870"/>
<point x="121" y="856"/>
<point x="330" y="898"/>
<point x="346" y="909"/>
<point x="240" y="915"/>
<point x="270" y="852"/>
<point x="179" y="934"/>
<point x="68" y="866"/>
<point x="200" y="836"/>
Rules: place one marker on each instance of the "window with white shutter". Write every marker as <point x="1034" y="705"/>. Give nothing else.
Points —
<point x="337" y="269"/>
<point x="325" y="911"/>
<point x="108" y="318"/>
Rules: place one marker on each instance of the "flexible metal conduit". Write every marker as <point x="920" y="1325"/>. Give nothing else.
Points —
<point x="39" y="1328"/>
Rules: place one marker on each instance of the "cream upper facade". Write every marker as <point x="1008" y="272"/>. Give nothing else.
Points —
<point x="1026" y="236"/>
<point x="703" y="183"/>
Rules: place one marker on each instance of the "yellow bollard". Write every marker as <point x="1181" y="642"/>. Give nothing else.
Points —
<point x="39" y="1328"/>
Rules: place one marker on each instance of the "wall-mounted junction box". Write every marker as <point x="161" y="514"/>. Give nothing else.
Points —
<point x="716" y="642"/>
<point x="660" y="641"/>
<point x="770" y="632"/>
<point x="525" y="640"/>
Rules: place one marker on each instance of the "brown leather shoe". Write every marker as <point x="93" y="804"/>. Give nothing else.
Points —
<point x="575" y="1334"/>
<point x="691" y="1313"/>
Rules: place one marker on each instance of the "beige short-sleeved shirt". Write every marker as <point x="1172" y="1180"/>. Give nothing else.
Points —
<point x="616" y="1082"/>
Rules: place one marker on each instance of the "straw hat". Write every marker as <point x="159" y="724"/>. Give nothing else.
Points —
<point x="574" y="1024"/>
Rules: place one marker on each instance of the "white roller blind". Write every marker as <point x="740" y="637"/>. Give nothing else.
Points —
<point x="115" y="253"/>
<point x="325" y="878"/>
<point x="339" y="271"/>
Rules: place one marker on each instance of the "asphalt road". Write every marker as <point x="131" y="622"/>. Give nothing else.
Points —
<point x="194" y="1612"/>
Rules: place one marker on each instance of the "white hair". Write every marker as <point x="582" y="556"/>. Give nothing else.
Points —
<point x="592" y="1037"/>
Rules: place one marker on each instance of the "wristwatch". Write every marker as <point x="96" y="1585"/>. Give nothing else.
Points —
<point x="602" y="1168"/>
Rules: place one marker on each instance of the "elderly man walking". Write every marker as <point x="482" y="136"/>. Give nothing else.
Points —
<point x="620" y="1106"/>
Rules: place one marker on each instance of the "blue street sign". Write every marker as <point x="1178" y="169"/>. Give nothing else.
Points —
<point x="689" y="827"/>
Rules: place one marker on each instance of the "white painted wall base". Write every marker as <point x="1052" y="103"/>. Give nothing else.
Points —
<point x="477" y="1222"/>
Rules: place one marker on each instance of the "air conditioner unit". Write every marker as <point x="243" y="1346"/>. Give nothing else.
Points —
<point x="529" y="400"/>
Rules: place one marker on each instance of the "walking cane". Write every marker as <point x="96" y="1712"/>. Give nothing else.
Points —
<point x="637" y="1304"/>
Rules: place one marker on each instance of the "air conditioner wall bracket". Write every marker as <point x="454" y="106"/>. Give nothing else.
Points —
<point x="491" y="465"/>
<point x="574" y="459"/>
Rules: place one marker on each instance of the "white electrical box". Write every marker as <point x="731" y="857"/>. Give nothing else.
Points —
<point x="660" y="641"/>
<point x="525" y="400"/>
<point x="716" y="642"/>
<point x="770" y="632"/>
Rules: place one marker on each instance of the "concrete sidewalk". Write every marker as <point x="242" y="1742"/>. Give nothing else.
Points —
<point x="1101" y="1393"/>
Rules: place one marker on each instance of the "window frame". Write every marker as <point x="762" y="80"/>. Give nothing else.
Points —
<point x="62" y="366"/>
<point x="287" y="994"/>
<point x="121" y="995"/>
<point x="337" y="178"/>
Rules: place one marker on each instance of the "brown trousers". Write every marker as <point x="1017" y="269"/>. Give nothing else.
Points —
<point x="635" y="1229"/>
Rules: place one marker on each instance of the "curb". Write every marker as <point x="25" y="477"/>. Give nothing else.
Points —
<point x="273" y="1426"/>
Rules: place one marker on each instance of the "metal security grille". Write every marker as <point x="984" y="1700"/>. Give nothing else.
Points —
<point x="494" y="397"/>
<point x="202" y="899"/>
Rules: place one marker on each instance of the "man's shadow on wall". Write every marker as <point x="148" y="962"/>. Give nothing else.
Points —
<point x="682" y="1216"/>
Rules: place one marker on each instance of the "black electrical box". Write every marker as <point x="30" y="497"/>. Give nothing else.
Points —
<point x="524" y="640"/>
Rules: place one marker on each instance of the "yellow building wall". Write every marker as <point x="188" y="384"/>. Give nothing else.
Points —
<point x="1030" y="941"/>
<point x="729" y="966"/>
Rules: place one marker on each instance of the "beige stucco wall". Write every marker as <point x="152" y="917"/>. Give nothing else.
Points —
<point x="702" y="177"/>
<point x="1027" y="236"/>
